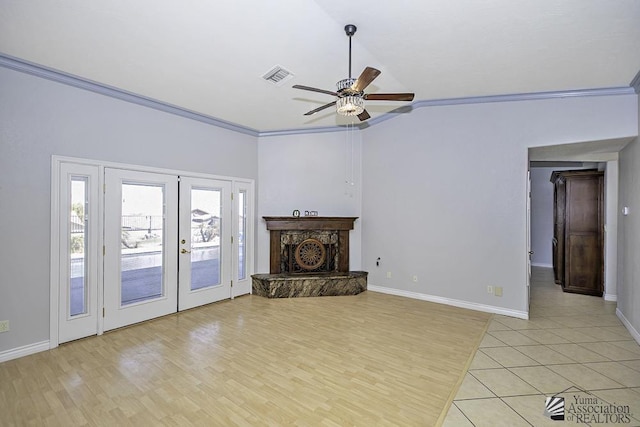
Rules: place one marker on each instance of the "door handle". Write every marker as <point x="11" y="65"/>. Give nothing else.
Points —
<point x="530" y="252"/>
<point x="184" y="251"/>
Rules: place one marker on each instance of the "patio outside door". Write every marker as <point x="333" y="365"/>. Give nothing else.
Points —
<point x="167" y="244"/>
<point x="140" y="254"/>
<point x="129" y="245"/>
<point x="205" y="242"/>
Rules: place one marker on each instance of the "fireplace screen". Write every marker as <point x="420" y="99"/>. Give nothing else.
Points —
<point x="304" y="253"/>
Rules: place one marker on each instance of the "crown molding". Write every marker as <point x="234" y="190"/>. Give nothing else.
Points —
<point x="305" y="131"/>
<point x="635" y="83"/>
<point x="536" y="96"/>
<point x="21" y="65"/>
<point x="102" y="89"/>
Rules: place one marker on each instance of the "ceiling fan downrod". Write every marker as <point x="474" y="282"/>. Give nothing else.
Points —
<point x="350" y="29"/>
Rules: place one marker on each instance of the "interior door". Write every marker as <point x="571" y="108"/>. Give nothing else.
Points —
<point x="140" y="253"/>
<point x="205" y="256"/>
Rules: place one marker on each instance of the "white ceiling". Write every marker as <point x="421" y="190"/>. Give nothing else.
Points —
<point x="209" y="56"/>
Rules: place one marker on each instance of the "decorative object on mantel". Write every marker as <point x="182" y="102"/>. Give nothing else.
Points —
<point x="309" y="256"/>
<point x="296" y="213"/>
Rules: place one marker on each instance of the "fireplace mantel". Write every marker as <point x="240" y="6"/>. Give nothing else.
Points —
<point x="277" y="225"/>
<point x="310" y="222"/>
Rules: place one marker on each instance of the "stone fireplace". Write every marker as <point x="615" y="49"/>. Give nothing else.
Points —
<point x="309" y="256"/>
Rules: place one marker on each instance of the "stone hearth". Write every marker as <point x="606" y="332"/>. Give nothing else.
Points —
<point x="309" y="256"/>
<point x="309" y="285"/>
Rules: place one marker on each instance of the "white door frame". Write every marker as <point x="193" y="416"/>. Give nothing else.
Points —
<point x="54" y="268"/>
<point x="529" y="251"/>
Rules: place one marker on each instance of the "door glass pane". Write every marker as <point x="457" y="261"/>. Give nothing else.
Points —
<point x="242" y="226"/>
<point x="78" y="216"/>
<point x="205" y="237"/>
<point x="142" y="242"/>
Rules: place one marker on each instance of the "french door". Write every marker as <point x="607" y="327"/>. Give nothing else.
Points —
<point x="132" y="243"/>
<point x="205" y="239"/>
<point x="167" y="244"/>
<point x="140" y="250"/>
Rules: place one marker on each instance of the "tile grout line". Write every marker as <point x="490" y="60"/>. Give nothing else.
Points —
<point x="589" y="321"/>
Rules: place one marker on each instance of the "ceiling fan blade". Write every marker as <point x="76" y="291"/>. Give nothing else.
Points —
<point x="364" y="116"/>
<point x="389" y="97"/>
<point x="365" y="78"/>
<point x="314" y="89"/>
<point x="320" y="108"/>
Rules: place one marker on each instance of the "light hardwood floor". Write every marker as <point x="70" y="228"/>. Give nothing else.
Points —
<point x="364" y="360"/>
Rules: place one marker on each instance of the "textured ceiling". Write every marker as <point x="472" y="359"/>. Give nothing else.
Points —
<point x="209" y="56"/>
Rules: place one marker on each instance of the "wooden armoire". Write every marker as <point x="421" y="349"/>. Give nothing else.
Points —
<point x="578" y="232"/>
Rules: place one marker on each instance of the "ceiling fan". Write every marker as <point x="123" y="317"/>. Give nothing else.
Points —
<point x="350" y="95"/>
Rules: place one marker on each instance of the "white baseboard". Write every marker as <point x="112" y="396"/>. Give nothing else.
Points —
<point x="610" y="297"/>
<point x="539" y="264"/>
<point x="25" y="350"/>
<point x="450" y="301"/>
<point x="635" y="334"/>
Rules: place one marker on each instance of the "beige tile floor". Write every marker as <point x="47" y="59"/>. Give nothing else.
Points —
<point x="571" y="341"/>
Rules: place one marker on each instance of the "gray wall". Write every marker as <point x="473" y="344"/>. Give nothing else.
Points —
<point x="320" y="172"/>
<point x="40" y="118"/>
<point x="440" y="191"/>
<point x="444" y="191"/>
<point x="629" y="236"/>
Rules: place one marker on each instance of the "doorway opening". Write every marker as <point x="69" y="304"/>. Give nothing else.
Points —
<point x="543" y="161"/>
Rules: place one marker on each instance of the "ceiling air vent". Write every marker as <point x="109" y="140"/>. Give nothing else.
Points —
<point x="278" y="75"/>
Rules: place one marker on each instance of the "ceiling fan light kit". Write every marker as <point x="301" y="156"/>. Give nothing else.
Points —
<point x="348" y="102"/>
<point x="350" y="105"/>
<point x="350" y="94"/>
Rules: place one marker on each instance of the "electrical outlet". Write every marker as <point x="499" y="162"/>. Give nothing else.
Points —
<point x="388" y="275"/>
<point x="415" y="279"/>
<point x="498" y="291"/>
<point x="4" y="326"/>
<point x="489" y="289"/>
